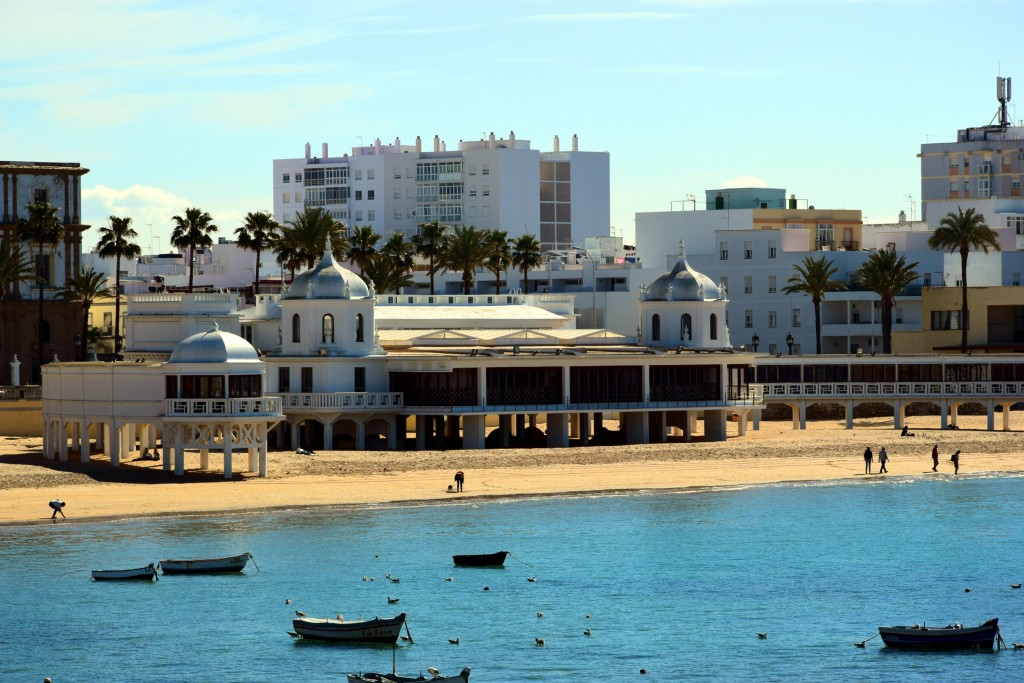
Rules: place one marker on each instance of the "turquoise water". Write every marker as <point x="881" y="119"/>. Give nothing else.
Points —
<point x="678" y="584"/>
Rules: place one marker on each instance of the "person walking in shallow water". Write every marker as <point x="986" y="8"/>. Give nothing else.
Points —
<point x="868" y="458"/>
<point x="956" y="462"/>
<point x="883" y="457"/>
<point x="459" y="478"/>
<point x="935" y="458"/>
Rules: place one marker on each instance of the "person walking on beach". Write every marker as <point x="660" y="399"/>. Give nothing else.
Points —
<point x="459" y="478"/>
<point x="57" y="506"/>
<point x="956" y="462"/>
<point x="868" y="458"/>
<point x="883" y="457"/>
<point x="935" y="458"/>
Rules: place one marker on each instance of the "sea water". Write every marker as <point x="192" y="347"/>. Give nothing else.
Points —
<point x="677" y="584"/>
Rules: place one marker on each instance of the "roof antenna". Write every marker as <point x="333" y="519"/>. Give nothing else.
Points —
<point x="1003" y="95"/>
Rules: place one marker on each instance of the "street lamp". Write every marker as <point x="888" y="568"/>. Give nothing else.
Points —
<point x="78" y="346"/>
<point x="789" y="342"/>
<point x="755" y="341"/>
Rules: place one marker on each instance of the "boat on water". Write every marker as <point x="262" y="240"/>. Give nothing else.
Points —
<point x="374" y="630"/>
<point x="217" y="565"/>
<point x="489" y="560"/>
<point x="461" y="677"/>
<point x="952" y="637"/>
<point x="147" y="573"/>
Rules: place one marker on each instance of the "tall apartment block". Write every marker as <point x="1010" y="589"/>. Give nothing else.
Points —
<point x="504" y="184"/>
<point x="982" y="169"/>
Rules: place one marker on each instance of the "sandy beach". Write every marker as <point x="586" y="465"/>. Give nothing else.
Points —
<point x="776" y="453"/>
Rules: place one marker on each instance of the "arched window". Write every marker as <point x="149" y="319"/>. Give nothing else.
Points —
<point x="327" y="336"/>
<point x="296" y="325"/>
<point x="686" y="327"/>
<point x="656" y="327"/>
<point x="713" y="327"/>
<point x="359" y="327"/>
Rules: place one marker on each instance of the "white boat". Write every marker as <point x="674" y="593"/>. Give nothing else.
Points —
<point x="461" y="677"/>
<point x="147" y="573"/>
<point x="375" y="630"/>
<point x="235" y="563"/>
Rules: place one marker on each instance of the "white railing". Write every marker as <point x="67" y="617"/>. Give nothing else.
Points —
<point x="450" y="299"/>
<point x="894" y="389"/>
<point x="226" y="407"/>
<point x="353" y="400"/>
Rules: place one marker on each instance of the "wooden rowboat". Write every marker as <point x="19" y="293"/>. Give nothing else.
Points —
<point x="489" y="560"/>
<point x="374" y="630"/>
<point x="953" y="637"/>
<point x="147" y="573"/>
<point x="461" y="677"/>
<point x="217" y="565"/>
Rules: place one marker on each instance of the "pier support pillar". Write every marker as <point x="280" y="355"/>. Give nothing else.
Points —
<point x="115" y="445"/>
<point x="1006" y="416"/>
<point x="990" y="411"/>
<point x="558" y="429"/>
<point x="636" y="427"/>
<point x="204" y="459"/>
<point x="584" y="423"/>
<point x="474" y="428"/>
<point x="360" y="435"/>
<point x="422" y="422"/>
<point x="179" y="459"/>
<point x="252" y="459"/>
<point x="714" y="425"/>
<point x="227" y="452"/>
<point x="849" y="414"/>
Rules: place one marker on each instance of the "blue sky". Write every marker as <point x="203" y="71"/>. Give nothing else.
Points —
<point x="177" y="104"/>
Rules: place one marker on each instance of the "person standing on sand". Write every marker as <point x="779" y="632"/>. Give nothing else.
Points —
<point x="459" y="478"/>
<point x="883" y="457"/>
<point x="868" y="458"/>
<point x="935" y="458"/>
<point x="956" y="462"/>
<point x="57" y="506"/>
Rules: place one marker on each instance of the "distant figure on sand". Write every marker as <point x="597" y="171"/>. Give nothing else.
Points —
<point x="459" y="478"/>
<point x="883" y="457"/>
<point x="868" y="458"/>
<point x="57" y="506"/>
<point x="935" y="458"/>
<point x="906" y="431"/>
<point x="956" y="462"/>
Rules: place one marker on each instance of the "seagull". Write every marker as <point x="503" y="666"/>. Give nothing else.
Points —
<point x="862" y="643"/>
<point x="433" y="671"/>
<point x="540" y="615"/>
<point x="287" y="601"/>
<point x="404" y="637"/>
<point x="588" y="616"/>
<point x="967" y="590"/>
<point x="532" y="579"/>
<point x="1018" y="646"/>
<point x="340" y="617"/>
<point x="391" y="600"/>
<point x="762" y="636"/>
<point x="299" y="614"/>
<point x="487" y="588"/>
<point x="540" y="641"/>
<point x="366" y="578"/>
<point x="1014" y="585"/>
<point x="449" y="578"/>
<point x="453" y="641"/>
<point x="586" y="632"/>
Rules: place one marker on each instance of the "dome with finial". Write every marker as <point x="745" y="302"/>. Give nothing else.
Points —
<point x="214" y="346"/>
<point x="327" y="280"/>
<point x="683" y="283"/>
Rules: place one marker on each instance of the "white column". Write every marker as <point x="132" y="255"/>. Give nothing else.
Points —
<point x="803" y="415"/>
<point x="558" y="430"/>
<point x="361" y="435"/>
<point x="227" y="451"/>
<point x="474" y="428"/>
<point x="252" y="459"/>
<point x="130" y="436"/>
<point x="991" y="412"/>
<point x="328" y="434"/>
<point x="421" y="432"/>
<point x="85" y="449"/>
<point x="393" y="431"/>
<point x="944" y="414"/>
<point x="122" y="434"/>
<point x="583" y="420"/>
<point x="1006" y="416"/>
<point x="204" y="459"/>
<point x="263" y="458"/>
<point x="742" y="424"/>
<point x="179" y="458"/>
<point x="115" y="445"/>
<point x="63" y="441"/>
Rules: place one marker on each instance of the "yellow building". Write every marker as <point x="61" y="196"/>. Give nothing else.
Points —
<point x="996" y="321"/>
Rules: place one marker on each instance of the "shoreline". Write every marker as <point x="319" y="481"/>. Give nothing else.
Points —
<point x="825" y="453"/>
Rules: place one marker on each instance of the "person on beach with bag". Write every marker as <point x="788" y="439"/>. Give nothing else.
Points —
<point x="955" y="459"/>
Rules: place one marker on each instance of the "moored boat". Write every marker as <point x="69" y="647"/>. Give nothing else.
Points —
<point x="374" y="630"/>
<point x="235" y="563"/>
<point x="489" y="560"/>
<point x="952" y="637"/>
<point x="147" y="573"/>
<point x="461" y="677"/>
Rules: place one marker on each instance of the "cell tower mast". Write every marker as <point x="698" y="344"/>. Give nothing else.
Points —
<point x="1003" y="95"/>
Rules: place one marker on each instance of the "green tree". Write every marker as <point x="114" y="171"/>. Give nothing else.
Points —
<point x="465" y="250"/>
<point x="526" y="254"/>
<point x="886" y="274"/>
<point x="257" y="234"/>
<point x="116" y="239"/>
<point x="193" y="231"/>
<point x="303" y="238"/>
<point x="814" y="278"/>
<point x="15" y="268"/>
<point x="430" y="242"/>
<point x="387" y="273"/>
<point x="362" y="246"/>
<point x="42" y="228"/>
<point x="400" y="250"/>
<point x="961" y="232"/>
<point x="499" y="255"/>
<point x="87" y="287"/>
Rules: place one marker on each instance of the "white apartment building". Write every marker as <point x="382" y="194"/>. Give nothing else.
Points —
<point x="560" y="195"/>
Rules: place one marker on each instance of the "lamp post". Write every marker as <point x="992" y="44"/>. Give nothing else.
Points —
<point x="789" y="342"/>
<point x="755" y="341"/>
<point x="78" y="347"/>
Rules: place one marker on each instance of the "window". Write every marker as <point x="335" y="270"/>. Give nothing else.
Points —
<point x="772" y="250"/>
<point x="655" y="327"/>
<point x="369" y="195"/>
<point x="826" y="233"/>
<point x="713" y="327"/>
<point x="287" y="196"/>
<point x="307" y="380"/>
<point x="39" y="195"/>
<point x="359" y="195"/>
<point x="369" y="174"/>
<point x="359" y="216"/>
<point x="296" y="327"/>
<point x="359" y="379"/>
<point x="397" y="215"/>
<point x="946" y="320"/>
<point x="284" y="379"/>
<point x="359" y="327"/>
<point x="398" y="194"/>
<point x="984" y="187"/>
<point x="1017" y="223"/>
<point x="298" y="197"/>
<point x="771" y="284"/>
<point x="247" y="333"/>
<point x="748" y="284"/>
<point x="485" y="170"/>
<point x="371" y="215"/>
<point x="772" y="349"/>
<point x="1015" y="184"/>
<point x="686" y="327"/>
<point x="472" y="191"/>
<point x="327" y="333"/>
<point x="1016" y="279"/>
<point x="286" y="178"/>
<point x="796" y="317"/>
<point x="397" y="174"/>
<point x="748" y="250"/>
<point x="472" y="169"/>
<point x="723" y="251"/>
<point x="748" y="319"/>
<point x="359" y="174"/>
<point x="298" y="177"/>
<point x="486" y="191"/>
<point x="773" y="318"/>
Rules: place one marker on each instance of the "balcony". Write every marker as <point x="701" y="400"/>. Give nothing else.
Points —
<point x="343" y="401"/>
<point x="883" y="390"/>
<point x="264" y="406"/>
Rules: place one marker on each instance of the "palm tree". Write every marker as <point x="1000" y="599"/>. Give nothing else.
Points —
<point x="257" y="234"/>
<point x="303" y="239"/>
<point x="961" y="232"/>
<point x="362" y="246"/>
<point x="15" y="268"/>
<point x="387" y="273"/>
<point x="41" y="228"/>
<point x="193" y="231"/>
<point x="400" y="251"/>
<point x="87" y="287"/>
<point x="814" y="278"/>
<point x="886" y="274"/>
<point x="500" y="256"/>
<point x="429" y="243"/>
<point x="116" y="240"/>
<point x="526" y="254"/>
<point x="465" y="250"/>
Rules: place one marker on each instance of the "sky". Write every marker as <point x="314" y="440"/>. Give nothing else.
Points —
<point x="173" y="104"/>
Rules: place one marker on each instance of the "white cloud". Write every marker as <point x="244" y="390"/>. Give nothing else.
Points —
<point x="150" y="209"/>
<point x="744" y="181"/>
<point x="605" y="16"/>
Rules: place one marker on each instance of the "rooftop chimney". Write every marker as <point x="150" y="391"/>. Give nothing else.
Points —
<point x="437" y="143"/>
<point x="308" y="152"/>
<point x="575" y="143"/>
<point x="554" y="145"/>
<point x="323" y="153"/>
